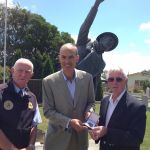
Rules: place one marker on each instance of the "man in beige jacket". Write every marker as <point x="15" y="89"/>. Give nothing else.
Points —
<point x="68" y="98"/>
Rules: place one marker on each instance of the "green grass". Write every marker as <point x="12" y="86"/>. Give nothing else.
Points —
<point x="44" y="124"/>
<point x="145" y="145"/>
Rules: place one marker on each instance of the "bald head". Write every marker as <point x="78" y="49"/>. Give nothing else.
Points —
<point x="69" y="47"/>
<point x="68" y="57"/>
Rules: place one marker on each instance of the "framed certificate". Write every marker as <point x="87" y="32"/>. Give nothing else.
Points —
<point x="92" y="120"/>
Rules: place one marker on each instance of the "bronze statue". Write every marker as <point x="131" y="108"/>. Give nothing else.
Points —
<point x="91" y="59"/>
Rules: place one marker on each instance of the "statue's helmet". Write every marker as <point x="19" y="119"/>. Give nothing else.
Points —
<point x="106" y="41"/>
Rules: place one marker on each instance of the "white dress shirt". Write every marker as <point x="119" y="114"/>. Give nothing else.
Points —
<point x="111" y="107"/>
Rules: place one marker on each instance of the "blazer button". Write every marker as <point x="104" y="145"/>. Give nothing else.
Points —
<point x="111" y="145"/>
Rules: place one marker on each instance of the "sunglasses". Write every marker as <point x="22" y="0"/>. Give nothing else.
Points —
<point x="117" y="79"/>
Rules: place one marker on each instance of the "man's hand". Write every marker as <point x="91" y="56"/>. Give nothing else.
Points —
<point x="87" y="114"/>
<point x="98" y="132"/>
<point x="77" y="125"/>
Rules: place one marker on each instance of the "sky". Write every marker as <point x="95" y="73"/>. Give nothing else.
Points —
<point x="129" y="20"/>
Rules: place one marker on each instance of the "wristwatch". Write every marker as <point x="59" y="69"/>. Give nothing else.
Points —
<point x="31" y="146"/>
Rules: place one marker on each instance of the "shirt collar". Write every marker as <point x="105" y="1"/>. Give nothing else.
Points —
<point x="65" y="78"/>
<point x="18" y="89"/>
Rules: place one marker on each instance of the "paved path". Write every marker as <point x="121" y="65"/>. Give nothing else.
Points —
<point x="92" y="146"/>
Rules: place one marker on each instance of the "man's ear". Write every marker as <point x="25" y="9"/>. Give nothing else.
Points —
<point x="58" y="57"/>
<point x="12" y="70"/>
<point x="77" y="58"/>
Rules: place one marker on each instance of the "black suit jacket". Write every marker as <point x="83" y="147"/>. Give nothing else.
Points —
<point x="127" y="124"/>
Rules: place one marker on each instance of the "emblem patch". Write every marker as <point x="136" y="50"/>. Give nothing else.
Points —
<point x="8" y="105"/>
<point x="30" y="105"/>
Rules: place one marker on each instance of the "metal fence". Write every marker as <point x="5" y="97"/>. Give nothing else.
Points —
<point x="35" y="86"/>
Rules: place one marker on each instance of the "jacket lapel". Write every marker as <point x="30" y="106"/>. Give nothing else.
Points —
<point x="104" y="110"/>
<point x="79" y="77"/>
<point x="118" y="111"/>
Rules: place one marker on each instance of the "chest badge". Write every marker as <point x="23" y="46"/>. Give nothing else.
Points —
<point x="8" y="105"/>
<point x="30" y="105"/>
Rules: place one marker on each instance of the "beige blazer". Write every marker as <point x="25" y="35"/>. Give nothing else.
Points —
<point x="59" y="108"/>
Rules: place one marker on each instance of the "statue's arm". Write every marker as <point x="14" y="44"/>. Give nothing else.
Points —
<point x="85" y="27"/>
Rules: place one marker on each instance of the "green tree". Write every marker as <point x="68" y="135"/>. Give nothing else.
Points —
<point x="99" y="91"/>
<point x="17" y="55"/>
<point x="48" y="66"/>
<point x="31" y="34"/>
<point x="44" y="63"/>
<point x="2" y="72"/>
<point x="38" y="65"/>
<point x="146" y="84"/>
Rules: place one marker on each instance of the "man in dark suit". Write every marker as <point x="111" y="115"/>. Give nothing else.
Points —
<point x="122" y="120"/>
<point x="68" y="98"/>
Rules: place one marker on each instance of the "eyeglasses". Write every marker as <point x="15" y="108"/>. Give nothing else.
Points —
<point x="117" y="79"/>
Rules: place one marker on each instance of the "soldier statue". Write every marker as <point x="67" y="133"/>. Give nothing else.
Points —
<point x="90" y="53"/>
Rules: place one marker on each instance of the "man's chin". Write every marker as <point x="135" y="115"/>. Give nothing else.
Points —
<point x="22" y="84"/>
<point x="69" y="69"/>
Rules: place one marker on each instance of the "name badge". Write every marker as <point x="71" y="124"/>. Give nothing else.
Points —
<point x="8" y="105"/>
<point x="30" y="105"/>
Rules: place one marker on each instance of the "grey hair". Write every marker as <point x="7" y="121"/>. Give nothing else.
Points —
<point x="24" y="61"/>
<point x="117" y="69"/>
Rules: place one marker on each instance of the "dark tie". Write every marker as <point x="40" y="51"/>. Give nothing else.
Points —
<point x="20" y="93"/>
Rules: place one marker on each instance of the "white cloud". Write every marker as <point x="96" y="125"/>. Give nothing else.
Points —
<point x="32" y="8"/>
<point x="9" y="2"/>
<point x="26" y="7"/>
<point x="145" y="26"/>
<point x="131" y="62"/>
<point x="147" y="42"/>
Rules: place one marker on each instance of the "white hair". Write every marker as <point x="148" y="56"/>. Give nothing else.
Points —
<point x="24" y="61"/>
<point x="116" y="69"/>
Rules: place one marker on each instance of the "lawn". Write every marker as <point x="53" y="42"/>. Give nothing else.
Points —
<point x="144" y="146"/>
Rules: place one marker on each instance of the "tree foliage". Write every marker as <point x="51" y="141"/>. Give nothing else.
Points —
<point x="146" y="84"/>
<point x="30" y="36"/>
<point x="99" y="91"/>
<point x="7" y="73"/>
